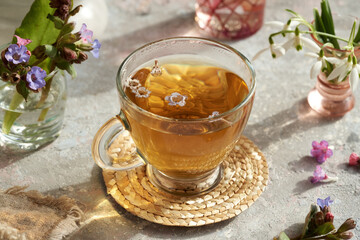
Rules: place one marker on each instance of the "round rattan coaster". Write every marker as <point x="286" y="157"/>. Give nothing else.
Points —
<point x="245" y="178"/>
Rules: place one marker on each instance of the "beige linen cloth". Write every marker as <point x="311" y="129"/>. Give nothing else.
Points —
<point x="28" y="215"/>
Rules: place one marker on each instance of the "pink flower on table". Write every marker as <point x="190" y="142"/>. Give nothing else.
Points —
<point x="319" y="175"/>
<point x="354" y="159"/>
<point x="321" y="151"/>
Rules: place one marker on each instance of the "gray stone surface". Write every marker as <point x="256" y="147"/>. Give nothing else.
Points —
<point x="281" y="125"/>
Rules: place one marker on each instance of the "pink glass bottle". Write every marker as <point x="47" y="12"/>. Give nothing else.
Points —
<point x="329" y="99"/>
<point x="230" y="19"/>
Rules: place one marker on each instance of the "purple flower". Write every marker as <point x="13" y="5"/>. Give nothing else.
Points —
<point x="324" y="202"/>
<point x="321" y="151"/>
<point x="86" y="34"/>
<point x="35" y="78"/>
<point x="17" y="54"/>
<point x="176" y="99"/>
<point x="96" y="47"/>
<point x="318" y="175"/>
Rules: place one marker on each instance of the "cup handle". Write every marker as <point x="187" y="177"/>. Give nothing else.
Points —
<point x="104" y="137"/>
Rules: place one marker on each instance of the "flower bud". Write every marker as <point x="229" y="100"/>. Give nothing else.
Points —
<point x="319" y="219"/>
<point x="55" y="3"/>
<point x="62" y="12"/>
<point x="14" y="78"/>
<point x="5" y="76"/>
<point x="347" y="225"/>
<point x="82" y="56"/>
<point x="346" y="235"/>
<point x="75" y="10"/>
<point x="66" y="2"/>
<point x="329" y="217"/>
<point x="68" y="54"/>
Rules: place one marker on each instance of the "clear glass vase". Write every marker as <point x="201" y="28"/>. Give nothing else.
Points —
<point x="30" y="124"/>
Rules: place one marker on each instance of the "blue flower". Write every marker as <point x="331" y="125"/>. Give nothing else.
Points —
<point x="324" y="202"/>
<point x="96" y="47"/>
<point x="17" y="54"/>
<point x="35" y="78"/>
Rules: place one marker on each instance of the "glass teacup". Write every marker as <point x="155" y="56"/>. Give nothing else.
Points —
<point x="185" y="102"/>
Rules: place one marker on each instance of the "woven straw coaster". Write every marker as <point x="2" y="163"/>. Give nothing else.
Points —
<point x="245" y="177"/>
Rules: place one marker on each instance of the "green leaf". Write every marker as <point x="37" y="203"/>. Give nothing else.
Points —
<point x="58" y="22"/>
<point x="324" y="228"/>
<point x="50" y="50"/>
<point x="67" y="28"/>
<point x="357" y="36"/>
<point x="283" y="236"/>
<point x="319" y="25"/>
<point x="22" y="90"/>
<point x="37" y="27"/>
<point x="328" y="22"/>
<point x="71" y="70"/>
<point x="309" y="217"/>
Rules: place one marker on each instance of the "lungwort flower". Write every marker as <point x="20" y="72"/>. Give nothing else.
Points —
<point x="354" y="159"/>
<point x="35" y="78"/>
<point x="321" y="151"/>
<point x="322" y="203"/>
<point x="176" y="99"/>
<point x="17" y="54"/>
<point x="319" y="175"/>
<point x="86" y="36"/>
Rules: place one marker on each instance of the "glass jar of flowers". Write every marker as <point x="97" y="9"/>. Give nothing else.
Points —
<point x="336" y="65"/>
<point x="33" y="73"/>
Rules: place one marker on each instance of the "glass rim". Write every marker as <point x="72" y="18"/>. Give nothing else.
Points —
<point x="159" y="117"/>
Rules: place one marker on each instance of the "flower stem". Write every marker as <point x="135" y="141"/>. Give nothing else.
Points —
<point x="43" y="114"/>
<point x="10" y="116"/>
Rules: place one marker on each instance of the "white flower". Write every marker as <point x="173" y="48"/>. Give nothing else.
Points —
<point x="345" y="68"/>
<point x="354" y="76"/>
<point x="341" y="71"/>
<point x="299" y="41"/>
<point x="320" y="63"/>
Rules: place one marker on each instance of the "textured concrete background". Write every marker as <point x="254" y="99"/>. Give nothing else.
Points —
<point x="281" y="125"/>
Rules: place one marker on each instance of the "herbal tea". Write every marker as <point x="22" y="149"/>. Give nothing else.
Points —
<point x="190" y="90"/>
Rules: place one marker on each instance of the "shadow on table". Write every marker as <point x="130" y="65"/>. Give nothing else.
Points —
<point x="9" y="155"/>
<point x="106" y="219"/>
<point x="284" y="124"/>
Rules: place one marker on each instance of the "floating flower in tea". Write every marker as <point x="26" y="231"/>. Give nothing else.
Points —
<point x="215" y="113"/>
<point x="176" y="99"/>
<point x="156" y="70"/>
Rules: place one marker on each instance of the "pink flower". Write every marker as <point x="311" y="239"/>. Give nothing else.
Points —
<point x="321" y="151"/>
<point x="354" y="159"/>
<point x="22" y="41"/>
<point x="329" y="217"/>
<point x="86" y="34"/>
<point x="318" y="175"/>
